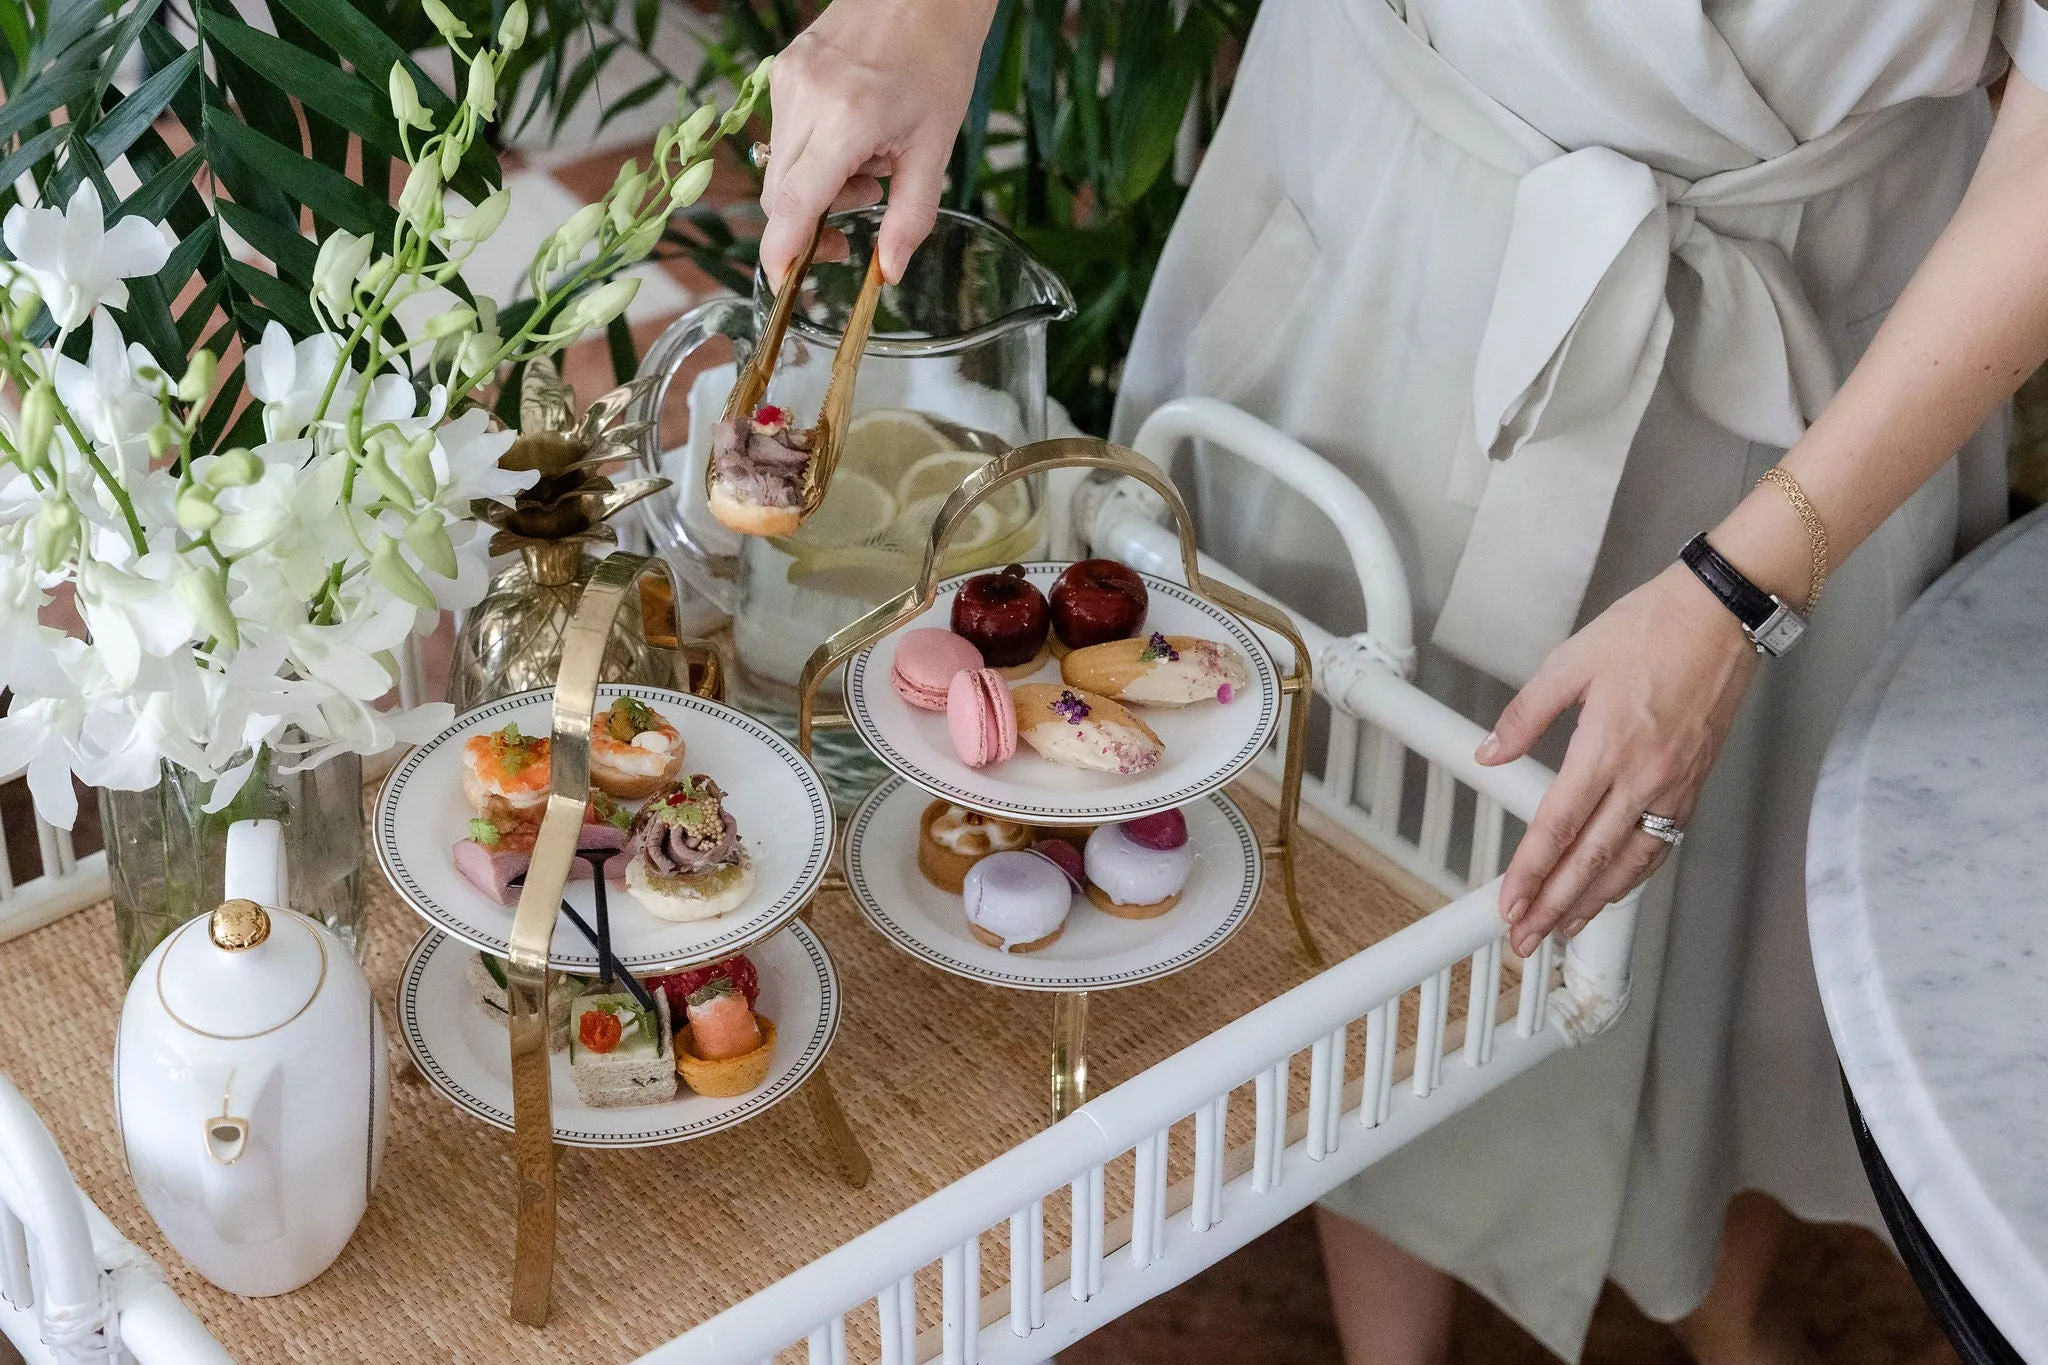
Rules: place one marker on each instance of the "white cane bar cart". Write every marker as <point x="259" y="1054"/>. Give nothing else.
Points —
<point x="1014" y="1259"/>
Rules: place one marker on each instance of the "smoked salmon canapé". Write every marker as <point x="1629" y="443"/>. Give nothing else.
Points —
<point x="505" y="770"/>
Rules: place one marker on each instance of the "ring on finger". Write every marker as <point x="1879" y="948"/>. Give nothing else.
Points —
<point x="757" y="156"/>
<point x="1661" y="827"/>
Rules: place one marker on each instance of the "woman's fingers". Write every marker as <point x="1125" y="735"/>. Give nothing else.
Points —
<point x="1564" y="811"/>
<point x="1609" y="858"/>
<point x="914" y="189"/>
<point x="1556" y="686"/>
<point x="802" y="195"/>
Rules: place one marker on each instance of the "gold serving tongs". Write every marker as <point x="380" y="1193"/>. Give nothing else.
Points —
<point x="833" y="414"/>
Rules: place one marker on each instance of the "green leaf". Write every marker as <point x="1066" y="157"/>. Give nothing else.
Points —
<point x="14" y="27"/>
<point x="646" y="17"/>
<point x="122" y="37"/>
<point x="319" y="85"/>
<point x="40" y="98"/>
<point x="29" y="154"/>
<point x="974" y="129"/>
<point x="132" y="117"/>
<point x="291" y="253"/>
<point x="285" y="302"/>
<point x="153" y="199"/>
<point x="618" y="335"/>
<point x="580" y="78"/>
<point x="187" y="254"/>
<point x="656" y="84"/>
<point x="329" y="193"/>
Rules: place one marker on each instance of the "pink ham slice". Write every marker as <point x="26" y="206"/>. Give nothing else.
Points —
<point x="491" y="868"/>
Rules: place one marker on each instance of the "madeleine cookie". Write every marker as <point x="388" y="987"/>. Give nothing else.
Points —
<point x="1082" y="729"/>
<point x="1160" y="670"/>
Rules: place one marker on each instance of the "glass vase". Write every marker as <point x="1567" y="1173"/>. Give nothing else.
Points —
<point x="166" y="853"/>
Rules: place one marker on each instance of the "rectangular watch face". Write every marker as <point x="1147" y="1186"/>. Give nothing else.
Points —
<point x="1779" y="630"/>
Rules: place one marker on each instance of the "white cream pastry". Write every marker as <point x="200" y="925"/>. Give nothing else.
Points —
<point x="1160" y="670"/>
<point x="1140" y="865"/>
<point x="1016" y="901"/>
<point x="974" y="835"/>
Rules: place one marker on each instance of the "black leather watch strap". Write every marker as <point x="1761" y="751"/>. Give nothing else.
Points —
<point x="1772" y="626"/>
<point x="1752" y="605"/>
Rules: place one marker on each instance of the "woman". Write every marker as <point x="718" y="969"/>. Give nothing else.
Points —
<point x="1559" y="285"/>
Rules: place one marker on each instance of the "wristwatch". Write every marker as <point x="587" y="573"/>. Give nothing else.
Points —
<point x="1770" y="625"/>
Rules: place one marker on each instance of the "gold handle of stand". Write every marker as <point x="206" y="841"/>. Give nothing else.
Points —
<point x="533" y="923"/>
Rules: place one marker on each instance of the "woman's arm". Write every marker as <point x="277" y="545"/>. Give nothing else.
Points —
<point x="872" y="88"/>
<point x="1658" y="676"/>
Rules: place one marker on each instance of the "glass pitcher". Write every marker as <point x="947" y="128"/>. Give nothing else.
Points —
<point x="953" y="374"/>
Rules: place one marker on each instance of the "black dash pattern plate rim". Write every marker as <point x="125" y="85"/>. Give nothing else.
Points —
<point x="745" y="934"/>
<point x="872" y="909"/>
<point x="751" y="1106"/>
<point x="1247" y="639"/>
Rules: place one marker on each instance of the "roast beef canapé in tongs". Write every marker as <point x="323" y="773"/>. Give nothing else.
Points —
<point x="766" y="475"/>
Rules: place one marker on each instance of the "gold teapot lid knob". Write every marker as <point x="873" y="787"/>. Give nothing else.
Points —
<point x="238" y="924"/>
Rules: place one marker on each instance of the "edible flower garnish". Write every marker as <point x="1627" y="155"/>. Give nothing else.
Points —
<point x="769" y="419"/>
<point x="599" y="1030"/>
<point x="1225" y="693"/>
<point x="1071" y="708"/>
<point x="483" y="831"/>
<point x="1157" y="647"/>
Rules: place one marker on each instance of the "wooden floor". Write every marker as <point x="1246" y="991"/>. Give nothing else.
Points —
<point x="1267" y="1306"/>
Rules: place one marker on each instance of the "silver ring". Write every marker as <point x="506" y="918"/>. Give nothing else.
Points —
<point x="758" y="155"/>
<point x="1661" y="827"/>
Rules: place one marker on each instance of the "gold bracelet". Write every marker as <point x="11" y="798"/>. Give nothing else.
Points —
<point x="1816" y="530"/>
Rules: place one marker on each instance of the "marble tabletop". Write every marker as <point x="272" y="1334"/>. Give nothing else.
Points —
<point x="1927" y="894"/>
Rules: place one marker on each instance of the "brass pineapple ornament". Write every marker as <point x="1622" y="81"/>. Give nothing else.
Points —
<point x="512" y="640"/>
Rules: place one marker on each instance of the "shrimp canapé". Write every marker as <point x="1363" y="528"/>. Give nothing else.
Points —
<point x="634" y="750"/>
<point x="506" y="772"/>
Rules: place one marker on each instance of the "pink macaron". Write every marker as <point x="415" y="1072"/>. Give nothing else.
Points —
<point x="981" y="717"/>
<point x="926" y="661"/>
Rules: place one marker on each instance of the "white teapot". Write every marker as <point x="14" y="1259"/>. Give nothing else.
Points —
<point x="250" y="1082"/>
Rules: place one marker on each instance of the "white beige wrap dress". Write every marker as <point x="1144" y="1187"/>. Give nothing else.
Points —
<point x="1555" y="281"/>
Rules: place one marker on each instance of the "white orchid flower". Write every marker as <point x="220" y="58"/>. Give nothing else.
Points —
<point x="109" y="398"/>
<point x="76" y="261"/>
<point x="135" y="612"/>
<point x="288" y="378"/>
<point x="39" y="735"/>
<point x="465" y="460"/>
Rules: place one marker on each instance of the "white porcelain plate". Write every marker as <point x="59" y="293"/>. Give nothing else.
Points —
<point x="1098" y="951"/>
<point x="777" y="797"/>
<point x="461" y="1048"/>
<point x="1206" y="745"/>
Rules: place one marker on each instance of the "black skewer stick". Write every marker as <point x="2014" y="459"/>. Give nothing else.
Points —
<point x="597" y="857"/>
<point x="638" y="991"/>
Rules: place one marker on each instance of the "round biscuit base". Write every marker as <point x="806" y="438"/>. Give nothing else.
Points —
<point x="942" y="867"/>
<point x="984" y="936"/>
<point x="617" y="782"/>
<point x="1101" y="901"/>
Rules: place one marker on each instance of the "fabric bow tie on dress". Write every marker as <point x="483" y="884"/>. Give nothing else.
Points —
<point x="1582" y="322"/>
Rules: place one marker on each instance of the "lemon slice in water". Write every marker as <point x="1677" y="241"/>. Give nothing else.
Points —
<point x="886" y="442"/>
<point x="855" y="505"/>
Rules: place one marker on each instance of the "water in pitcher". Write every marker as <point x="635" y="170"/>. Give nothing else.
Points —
<point x="866" y="543"/>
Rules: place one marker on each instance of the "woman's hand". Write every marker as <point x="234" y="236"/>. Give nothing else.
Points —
<point x="1656" y="678"/>
<point x="872" y="88"/>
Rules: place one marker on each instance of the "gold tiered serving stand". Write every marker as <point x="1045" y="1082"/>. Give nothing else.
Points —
<point x="1069" y="1061"/>
<point x="533" y="925"/>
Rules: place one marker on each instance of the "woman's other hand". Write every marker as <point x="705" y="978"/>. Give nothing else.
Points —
<point x="1657" y="678"/>
<point x="873" y="88"/>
